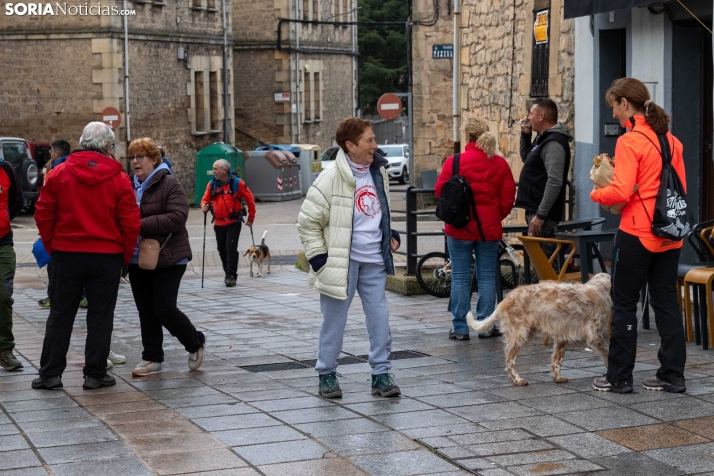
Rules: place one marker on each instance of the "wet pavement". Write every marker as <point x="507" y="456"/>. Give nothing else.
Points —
<point x="253" y="406"/>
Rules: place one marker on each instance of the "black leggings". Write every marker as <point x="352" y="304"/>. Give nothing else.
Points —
<point x="633" y="266"/>
<point x="155" y="293"/>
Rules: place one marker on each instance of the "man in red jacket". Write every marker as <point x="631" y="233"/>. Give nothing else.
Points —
<point x="89" y="222"/>
<point x="223" y="197"/>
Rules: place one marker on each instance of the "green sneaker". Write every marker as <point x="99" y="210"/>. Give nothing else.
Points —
<point x="329" y="386"/>
<point x="9" y="362"/>
<point x="83" y="303"/>
<point x="384" y="386"/>
<point x="44" y="302"/>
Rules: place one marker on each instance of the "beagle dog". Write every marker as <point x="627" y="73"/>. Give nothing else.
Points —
<point x="258" y="254"/>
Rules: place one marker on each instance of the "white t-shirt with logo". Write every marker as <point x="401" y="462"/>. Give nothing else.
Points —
<point x="367" y="217"/>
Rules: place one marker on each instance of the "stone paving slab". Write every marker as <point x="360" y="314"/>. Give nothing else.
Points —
<point x="459" y="412"/>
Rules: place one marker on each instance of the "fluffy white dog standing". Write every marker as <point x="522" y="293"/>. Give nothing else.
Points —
<point x="567" y="312"/>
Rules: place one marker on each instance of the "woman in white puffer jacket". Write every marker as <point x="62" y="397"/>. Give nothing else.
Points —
<point x="344" y="226"/>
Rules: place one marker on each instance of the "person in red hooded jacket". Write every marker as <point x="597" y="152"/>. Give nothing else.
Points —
<point x="494" y="192"/>
<point x="89" y="223"/>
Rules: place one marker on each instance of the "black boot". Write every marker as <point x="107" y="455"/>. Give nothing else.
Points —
<point x="91" y="383"/>
<point x="47" y="383"/>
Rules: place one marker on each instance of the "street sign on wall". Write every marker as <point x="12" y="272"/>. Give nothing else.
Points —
<point x="389" y="106"/>
<point x="111" y="117"/>
<point x="442" y="51"/>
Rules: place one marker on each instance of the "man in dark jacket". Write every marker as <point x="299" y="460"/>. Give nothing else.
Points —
<point x="89" y="222"/>
<point x="541" y="186"/>
<point x="11" y="202"/>
<point x="59" y="150"/>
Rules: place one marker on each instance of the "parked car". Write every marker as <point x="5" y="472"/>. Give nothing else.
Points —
<point x="17" y="152"/>
<point x="398" y="157"/>
<point x="328" y="157"/>
<point x="40" y="152"/>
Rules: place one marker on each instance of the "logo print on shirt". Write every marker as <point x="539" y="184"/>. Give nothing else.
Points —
<point x="367" y="202"/>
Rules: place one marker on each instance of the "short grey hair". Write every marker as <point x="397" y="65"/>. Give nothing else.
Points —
<point x="96" y="136"/>
<point x="223" y="163"/>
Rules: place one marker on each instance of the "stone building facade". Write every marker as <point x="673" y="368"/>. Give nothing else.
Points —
<point x="71" y="67"/>
<point x="294" y="80"/>
<point x="496" y="67"/>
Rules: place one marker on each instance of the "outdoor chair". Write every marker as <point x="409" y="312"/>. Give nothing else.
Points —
<point x="703" y="275"/>
<point x="544" y="264"/>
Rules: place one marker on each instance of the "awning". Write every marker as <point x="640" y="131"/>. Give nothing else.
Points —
<point x="581" y="8"/>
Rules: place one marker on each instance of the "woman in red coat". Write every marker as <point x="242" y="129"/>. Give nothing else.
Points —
<point x="494" y="191"/>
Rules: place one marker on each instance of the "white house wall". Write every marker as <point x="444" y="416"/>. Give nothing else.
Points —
<point x="648" y="58"/>
<point x="651" y="39"/>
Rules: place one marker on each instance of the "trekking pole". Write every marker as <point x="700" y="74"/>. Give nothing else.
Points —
<point x="203" y="263"/>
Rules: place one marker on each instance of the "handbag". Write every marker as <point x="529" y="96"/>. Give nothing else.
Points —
<point x="41" y="256"/>
<point x="149" y="251"/>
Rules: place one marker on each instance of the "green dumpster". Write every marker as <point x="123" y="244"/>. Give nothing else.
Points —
<point x="204" y="164"/>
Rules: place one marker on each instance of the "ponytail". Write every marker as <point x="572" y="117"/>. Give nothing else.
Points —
<point x="477" y="130"/>
<point x="487" y="143"/>
<point x="656" y="117"/>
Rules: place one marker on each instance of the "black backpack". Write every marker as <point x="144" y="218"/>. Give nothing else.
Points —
<point x="457" y="200"/>
<point x="671" y="218"/>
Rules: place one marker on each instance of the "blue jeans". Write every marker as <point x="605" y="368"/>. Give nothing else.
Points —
<point x="486" y="262"/>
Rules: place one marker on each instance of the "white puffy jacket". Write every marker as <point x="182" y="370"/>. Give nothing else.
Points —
<point x="325" y="225"/>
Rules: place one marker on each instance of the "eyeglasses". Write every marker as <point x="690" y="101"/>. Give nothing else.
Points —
<point x="137" y="157"/>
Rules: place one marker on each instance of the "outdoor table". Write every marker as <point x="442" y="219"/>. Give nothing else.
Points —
<point x="582" y="224"/>
<point x="586" y="241"/>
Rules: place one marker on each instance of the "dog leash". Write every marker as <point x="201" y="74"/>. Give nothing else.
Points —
<point x="251" y="235"/>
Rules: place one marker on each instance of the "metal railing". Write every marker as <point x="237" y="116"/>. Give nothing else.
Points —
<point x="411" y="232"/>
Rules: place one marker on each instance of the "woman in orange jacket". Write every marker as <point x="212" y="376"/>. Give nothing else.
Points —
<point x="640" y="257"/>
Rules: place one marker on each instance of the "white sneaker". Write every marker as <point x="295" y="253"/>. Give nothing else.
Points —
<point x="146" y="368"/>
<point x="195" y="359"/>
<point x="110" y="364"/>
<point x="116" y="358"/>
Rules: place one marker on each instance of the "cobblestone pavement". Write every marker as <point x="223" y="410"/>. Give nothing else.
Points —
<point x="458" y="413"/>
<point x="238" y="415"/>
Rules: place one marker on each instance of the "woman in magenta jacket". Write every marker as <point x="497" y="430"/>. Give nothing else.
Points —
<point x="494" y="191"/>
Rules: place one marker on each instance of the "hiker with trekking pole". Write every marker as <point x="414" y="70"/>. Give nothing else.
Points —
<point x="223" y="197"/>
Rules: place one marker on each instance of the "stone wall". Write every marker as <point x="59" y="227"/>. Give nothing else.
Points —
<point x="159" y="103"/>
<point x="256" y="79"/>
<point x="432" y="89"/>
<point x="46" y="96"/>
<point x="71" y="67"/>
<point x="490" y="89"/>
<point x="261" y="71"/>
<point x="337" y="99"/>
<point x="495" y="74"/>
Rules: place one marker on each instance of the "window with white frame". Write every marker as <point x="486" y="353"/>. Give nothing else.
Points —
<point x="311" y="10"/>
<point x="312" y="92"/>
<point x="205" y="90"/>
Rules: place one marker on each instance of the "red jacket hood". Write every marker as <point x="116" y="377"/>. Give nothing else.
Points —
<point x="91" y="167"/>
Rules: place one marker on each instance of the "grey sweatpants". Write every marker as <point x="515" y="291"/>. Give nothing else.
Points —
<point x="369" y="280"/>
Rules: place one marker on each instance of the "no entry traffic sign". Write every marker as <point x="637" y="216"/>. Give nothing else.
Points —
<point x="111" y="117"/>
<point x="389" y="106"/>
